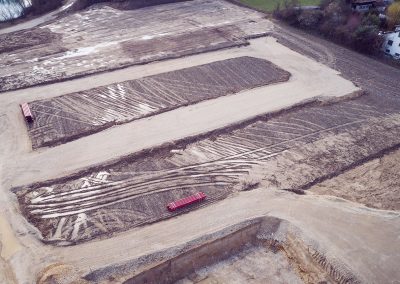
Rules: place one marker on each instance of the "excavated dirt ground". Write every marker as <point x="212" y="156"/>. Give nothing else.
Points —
<point x="102" y="38"/>
<point x="75" y="115"/>
<point x="26" y="39"/>
<point x="253" y="265"/>
<point x="290" y="152"/>
<point x="375" y="77"/>
<point x="375" y="183"/>
<point x="346" y="148"/>
<point x="260" y="250"/>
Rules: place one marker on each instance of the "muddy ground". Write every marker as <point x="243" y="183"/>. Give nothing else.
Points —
<point x="71" y="116"/>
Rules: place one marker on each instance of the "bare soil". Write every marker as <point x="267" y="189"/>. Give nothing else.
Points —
<point x="25" y="39"/>
<point x="373" y="76"/>
<point x="258" y="250"/>
<point x="291" y="151"/>
<point x="375" y="183"/>
<point x="123" y="40"/>
<point x="169" y="127"/>
<point x="72" y="116"/>
<point x="88" y="201"/>
<point x="253" y="265"/>
<point x="364" y="184"/>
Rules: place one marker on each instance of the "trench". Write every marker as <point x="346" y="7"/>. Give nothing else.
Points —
<point x="261" y="249"/>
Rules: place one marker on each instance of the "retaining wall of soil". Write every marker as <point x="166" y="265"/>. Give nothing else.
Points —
<point x="172" y="270"/>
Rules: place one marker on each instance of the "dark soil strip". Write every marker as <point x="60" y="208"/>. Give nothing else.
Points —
<point x="69" y="117"/>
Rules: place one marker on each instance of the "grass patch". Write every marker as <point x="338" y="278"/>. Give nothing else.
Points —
<point x="270" y="5"/>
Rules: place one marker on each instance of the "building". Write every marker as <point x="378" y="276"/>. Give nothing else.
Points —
<point x="362" y="5"/>
<point x="391" y="44"/>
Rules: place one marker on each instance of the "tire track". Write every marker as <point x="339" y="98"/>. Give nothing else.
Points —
<point x="75" y="115"/>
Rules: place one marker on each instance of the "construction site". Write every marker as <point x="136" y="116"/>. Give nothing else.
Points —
<point x="193" y="141"/>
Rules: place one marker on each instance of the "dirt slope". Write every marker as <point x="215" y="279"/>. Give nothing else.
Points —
<point x="375" y="183"/>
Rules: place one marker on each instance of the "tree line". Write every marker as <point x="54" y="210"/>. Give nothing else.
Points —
<point x="337" y="21"/>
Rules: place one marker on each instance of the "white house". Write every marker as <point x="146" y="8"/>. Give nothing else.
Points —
<point x="391" y="44"/>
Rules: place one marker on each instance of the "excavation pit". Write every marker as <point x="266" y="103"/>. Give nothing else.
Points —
<point x="257" y="251"/>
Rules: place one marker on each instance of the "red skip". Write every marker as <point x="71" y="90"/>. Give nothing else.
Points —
<point x="27" y="112"/>
<point x="186" y="201"/>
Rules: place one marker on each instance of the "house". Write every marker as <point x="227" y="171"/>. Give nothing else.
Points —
<point x="391" y="44"/>
<point x="362" y="5"/>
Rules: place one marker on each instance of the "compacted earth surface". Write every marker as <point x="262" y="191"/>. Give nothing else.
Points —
<point x="79" y="43"/>
<point x="375" y="183"/>
<point x="294" y="141"/>
<point x="73" y="115"/>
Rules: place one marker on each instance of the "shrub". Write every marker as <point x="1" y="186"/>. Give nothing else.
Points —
<point x="325" y="3"/>
<point x="366" y="39"/>
<point x="371" y="19"/>
<point x="310" y="19"/>
<point x="393" y="14"/>
<point x="337" y="12"/>
<point x="343" y="34"/>
<point x="338" y="22"/>
<point x="327" y="28"/>
<point x="289" y="13"/>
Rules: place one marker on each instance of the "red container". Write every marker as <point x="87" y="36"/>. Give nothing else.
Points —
<point x="27" y="112"/>
<point x="186" y="201"/>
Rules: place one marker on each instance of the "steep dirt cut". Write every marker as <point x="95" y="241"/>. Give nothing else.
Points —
<point x="256" y="251"/>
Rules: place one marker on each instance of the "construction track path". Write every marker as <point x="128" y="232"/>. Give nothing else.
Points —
<point x="180" y="123"/>
<point x="345" y="230"/>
